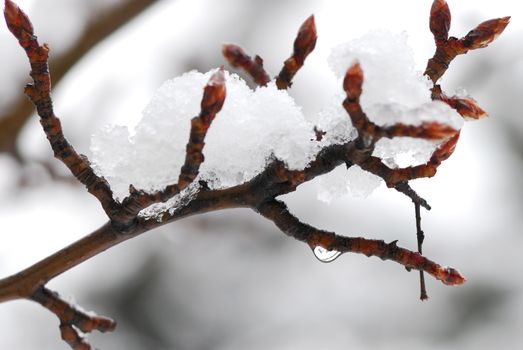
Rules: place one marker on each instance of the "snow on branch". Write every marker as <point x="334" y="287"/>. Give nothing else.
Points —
<point x="258" y="146"/>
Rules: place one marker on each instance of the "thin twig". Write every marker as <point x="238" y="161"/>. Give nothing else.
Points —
<point x="303" y="45"/>
<point x="72" y="319"/>
<point x="449" y="48"/>
<point x="40" y="94"/>
<point x="420" y="237"/>
<point x="277" y="212"/>
<point x="239" y="59"/>
<point x="405" y="188"/>
<point x="17" y="112"/>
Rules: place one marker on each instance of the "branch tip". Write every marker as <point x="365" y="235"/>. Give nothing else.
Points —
<point x="304" y="44"/>
<point x="466" y="107"/>
<point x="353" y="82"/>
<point x="17" y="21"/>
<point x="239" y="59"/>
<point x="73" y="320"/>
<point x="485" y="33"/>
<point x="451" y="277"/>
<point x="306" y="39"/>
<point x="440" y="19"/>
<point x="213" y="95"/>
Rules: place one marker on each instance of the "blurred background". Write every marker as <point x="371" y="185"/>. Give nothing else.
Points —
<point x="231" y="280"/>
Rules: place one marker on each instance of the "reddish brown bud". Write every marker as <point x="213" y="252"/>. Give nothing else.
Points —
<point x="16" y="19"/>
<point x="466" y="107"/>
<point x="485" y="33"/>
<point x="239" y="59"/>
<point x="303" y="45"/>
<point x="452" y="277"/>
<point x="445" y="150"/>
<point x="440" y="20"/>
<point x="214" y="94"/>
<point x="305" y="40"/>
<point x="234" y="55"/>
<point x="353" y="82"/>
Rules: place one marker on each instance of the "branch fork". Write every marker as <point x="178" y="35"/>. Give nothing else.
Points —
<point x="259" y="193"/>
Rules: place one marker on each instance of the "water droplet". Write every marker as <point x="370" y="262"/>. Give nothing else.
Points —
<point x="325" y="255"/>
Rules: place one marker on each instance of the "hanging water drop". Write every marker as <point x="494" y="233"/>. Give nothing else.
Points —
<point x="325" y="255"/>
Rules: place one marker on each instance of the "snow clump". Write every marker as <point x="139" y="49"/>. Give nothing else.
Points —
<point x="252" y="127"/>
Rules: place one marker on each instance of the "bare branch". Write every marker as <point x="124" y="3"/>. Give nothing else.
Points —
<point x="72" y="319"/>
<point x="448" y="48"/>
<point x="18" y="111"/>
<point x="40" y="94"/>
<point x="277" y="212"/>
<point x="405" y="188"/>
<point x="260" y="192"/>
<point x="420" y="237"/>
<point x="465" y="106"/>
<point x="303" y="46"/>
<point x="485" y="33"/>
<point x="239" y="59"/>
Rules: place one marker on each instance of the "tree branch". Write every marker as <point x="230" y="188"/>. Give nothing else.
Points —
<point x="72" y="319"/>
<point x="303" y="45"/>
<point x="277" y="212"/>
<point x="253" y="67"/>
<point x="420" y="236"/>
<point x="16" y="114"/>
<point x="448" y="48"/>
<point x="259" y="193"/>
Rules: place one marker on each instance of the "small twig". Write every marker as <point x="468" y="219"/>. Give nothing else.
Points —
<point x="465" y="106"/>
<point x="303" y="46"/>
<point x="239" y="59"/>
<point x="420" y="237"/>
<point x="40" y="94"/>
<point x="72" y="320"/>
<point x="277" y="212"/>
<point x="448" y="48"/>
<point x="405" y="188"/>
<point x="103" y="24"/>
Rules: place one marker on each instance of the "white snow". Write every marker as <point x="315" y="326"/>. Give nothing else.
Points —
<point x="252" y="127"/>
